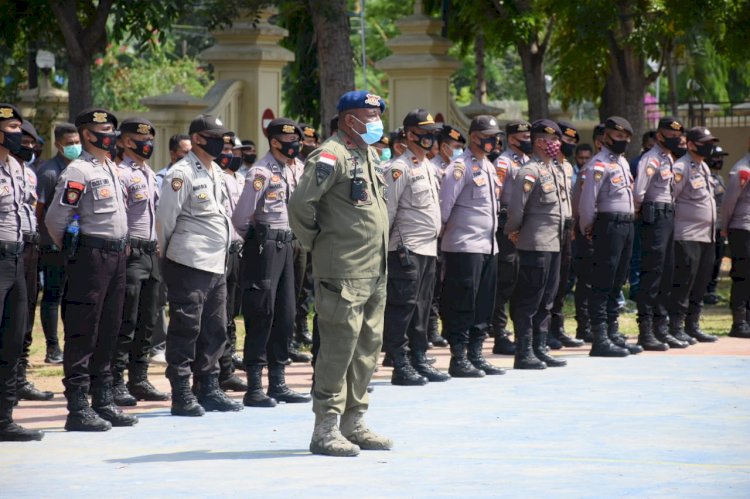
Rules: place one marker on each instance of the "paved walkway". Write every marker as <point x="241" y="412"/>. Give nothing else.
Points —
<point x="651" y="425"/>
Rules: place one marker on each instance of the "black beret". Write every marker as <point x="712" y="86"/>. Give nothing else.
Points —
<point x="360" y="99"/>
<point x="208" y="125"/>
<point x="545" y="126"/>
<point x="9" y="111"/>
<point x="671" y="123"/>
<point x="450" y="133"/>
<point x="281" y="126"/>
<point x="521" y="126"/>
<point x="421" y="118"/>
<point x="28" y="129"/>
<point x="700" y="134"/>
<point x="308" y="131"/>
<point x="598" y="130"/>
<point x="619" y="124"/>
<point x="96" y="116"/>
<point x="569" y="130"/>
<point x="484" y="123"/>
<point x="137" y="125"/>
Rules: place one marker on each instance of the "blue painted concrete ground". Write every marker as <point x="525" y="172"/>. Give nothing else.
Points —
<point x="656" y="426"/>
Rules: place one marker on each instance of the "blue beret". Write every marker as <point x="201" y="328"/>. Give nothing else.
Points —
<point x="360" y="99"/>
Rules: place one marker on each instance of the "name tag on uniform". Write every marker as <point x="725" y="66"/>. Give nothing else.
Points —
<point x="697" y="182"/>
<point x="480" y="181"/>
<point x="666" y="173"/>
<point x="548" y="187"/>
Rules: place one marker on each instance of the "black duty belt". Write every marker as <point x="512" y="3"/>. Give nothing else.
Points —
<point x="263" y="233"/>
<point x="11" y="247"/>
<point x="117" y="245"/>
<point x="31" y="237"/>
<point x="615" y="217"/>
<point x="143" y="244"/>
<point x="665" y="207"/>
<point x="568" y="223"/>
<point x="235" y="246"/>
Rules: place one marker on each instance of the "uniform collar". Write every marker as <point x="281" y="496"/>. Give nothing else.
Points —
<point x="129" y="162"/>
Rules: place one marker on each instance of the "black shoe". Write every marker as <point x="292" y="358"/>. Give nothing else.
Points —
<point x="603" y="346"/>
<point x="525" y="357"/>
<point x="437" y="340"/>
<point x="302" y="332"/>
<point x="27" y="391"/>
<point x="140" y="387"/>
<point x="212" y="398"/>
<point x="680" y="335"/>
<point x="11" y="432"/>
<point x="711" y="299"/>
<point x="584" y="334"/>
<point x="540" y="342"/>
<point x="648" y="341"/>
<point x="103" y="403"/>
<point x="387" y="360"/>
<point x="553" y="343"/>
<point x="278" y="389"/>
<point x="404" y="373"/>
<point x="621" y="340"/>
<point x="298" y="356"/>
<point x="184" y="402"/>
<point x="424" y="368"/>
<point x="460" y="367"/>
<point x="566" y="340"/>
<point x="233" y="383"/>
<point x="81" y="417"/>
<point x="503" y="344"/>
<point x="237" y="362"/>
<point x="255" y="397"/>
<point x="54" y="355"/>
<point x="120" y="393"/>
<point x="671" y="341"/>
<point x="693" y="330"/>
<point x="740" y="330"/>
<point x="475" y="356"/>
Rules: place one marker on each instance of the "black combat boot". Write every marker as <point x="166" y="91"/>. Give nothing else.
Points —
<point x="25" y="389"/>
<point x="583" y="332"/>
<point x="140" y="387"/>
<point x="424" y="368"/>
<point x="460" y="367"/>
<point x="232" y="383"/>
<point x="693" y="329"/>
<point x="10" y="431"/>
<point x="120" y="392"/>
<point x="740" y="325"/>
<point x="524" y="357"/>
<point x="296" y="355"/>
<point x="278" y="389"/>
<point x="212" y="398"/>
<point x="184" y="402"/>
<point x="503" y="344"/>
<point x="103" y="403"/>
<point x="540" y="344"/>
<point x="476" y="357"/>
<point x="435" y="339"/>
<point x="255" y="396"/>
<point x="602" y="346"/>
<point x="615" y="337"/>
<point x="404" y="373"/>
<point x="646" y="338"/>
<point x="81" y="417"/>
<point x="557" y="331"/>
<point x="661" y="331"/>
<point x="302" y="331"/>
<point x="677" y="330"/>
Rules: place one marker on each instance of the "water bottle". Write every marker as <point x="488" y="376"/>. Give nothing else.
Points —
<point x="71" y="236"/>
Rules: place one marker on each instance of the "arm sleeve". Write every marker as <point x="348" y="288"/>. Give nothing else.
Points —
<point x="395" y="182"/>
<point x="67" y="195"/>
<point x="244" y="213"/>
<point x="731" y="196"/>
<point x="518" y="199"/>
<point x="451" y="189"/>
<point x="171" y="202"/>
<point x="643" y="179"/>
<point x="595" y="178"/>
<point x="679" y="186"/>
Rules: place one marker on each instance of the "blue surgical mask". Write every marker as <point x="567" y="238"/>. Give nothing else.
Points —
<point x="456" y="154"/>
<point x="73" y="151"/>
<point x="386" y="154"/>
<point x="374" y="131"/>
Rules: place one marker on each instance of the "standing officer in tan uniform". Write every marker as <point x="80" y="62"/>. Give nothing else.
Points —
<point x="90" y="190"/>
<point x="193" y="232"/>
<point x="339" y="213"/>
<point x="268" y="303"/>
<point x="414" y="215"/>
<point x="13" y="304"/>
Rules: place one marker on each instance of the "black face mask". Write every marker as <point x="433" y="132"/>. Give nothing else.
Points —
<point x="12" y="141"/>
<point x="25" y="153"/>
<point x="493" y="156"/>
<point x="235" y="164"/>
<point x="307" y="149"/>
<point x="672" y="144"/>
<point x="715" y="164"/>
<point x="224" y="159"/>
<point x="618" y="146"/>
<point x="105" y="141"/>
<point x="487" y="144"/>
<point x="526" y="146"/>
<point x="290" y="149"/>
<point x="213" y="146"/>
<point x="425" y="141"/>
<point x="567" y="149"/>
<point x="680" y="152"/>
<point x="705" y="150"/>
<point x="249" y="158"/>
<point x="143" y="148"/>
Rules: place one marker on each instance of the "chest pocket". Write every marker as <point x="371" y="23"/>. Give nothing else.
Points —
<point x="6" y="198"/>
<point x="420" y="194"/>
<point x="617" y="182"/>
<point x="201" y="201"/>
<point x="137" y="193"/>
<point x="697" y="188"/>
<point x="273" y="200"/>
<point x="104" y="199"/>
<point x="547" y="193"/>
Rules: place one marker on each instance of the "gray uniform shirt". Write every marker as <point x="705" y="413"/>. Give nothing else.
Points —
<point x="720" y="189"/>
<point x="234" y="183"/>
<point x="28" y="215"/>
<point x="607" y="189"/>
<point x="536" y="206"/>
<point x="507" y="166"/>
<point x="142" y="199"/>
<point x="191" y="224"/>
<point x="565" y="173"/>
<point x="11" y="200"/>
<point x="413" y="205"/>
<point x="735" y="211"/>
<point x="265" y="196"/>
<point x="695" y="207"/>
<point x="438" y="168"/>
<point x="47" y="176"/>
<point x="653" y="184"/>
<point x="469" y="206"/>
<point x="93" y="191"/>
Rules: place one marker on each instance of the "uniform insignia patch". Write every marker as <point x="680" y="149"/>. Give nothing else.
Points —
<point x="202" y="195"/>
<point x="475" y="168"/>
<point x="276" y="179"/>
<point x="598" y="176"/>
<point x="137" y="180"/>
<point x="99" y="118"/>
<point x="104" y="193"/>
<point x="272" y="195"/>
<point x="650" y="170"/>
<point x="617" y="180"/>
<point x="5" y="190"/>
<point x="139" y="196"/>
<point x="744" y="177"/>
<point x="528" y="182"/>
<point x="258" y="182"/>
<point x="177" y="184"/>
<point x="6" y="112"/>
<point x="143" y="129"/>
<point x="396" y="174"/>
<point x="72" y="194"/>
<point x="678" y="177"/>
<point x="458" y="170"/>
<point x="324" y="166"/>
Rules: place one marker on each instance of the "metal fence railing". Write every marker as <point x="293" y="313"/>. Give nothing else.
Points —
<point x="699" y="113"/>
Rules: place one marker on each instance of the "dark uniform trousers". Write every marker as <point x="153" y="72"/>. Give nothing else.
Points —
<point x="566" y="258"/>
<point x="538" y="278"/>
<point x="408" y="301"/>
<point x="142" y="283"/>
<point x="657" y="259"/>
<point x="468" y="295"/>
<point x="720" y="251"/>
<point x="507" y="275"/>
<point x="92" y="314"/>
<point x="13" y="303"/>
<point x="52" y="262"/>
<point x="739" y="247"/>
<point x="268" y="298"/>
<point x="693" y="264"/>
<point x="31" y="275"/>
<point x="610" y="262"/>
<point x="437" y="289"/>
<point x="303" y="282"/>
<point x="234" y="302"/>
<point x="584" y="250"/>
<point x="197" y="330"/>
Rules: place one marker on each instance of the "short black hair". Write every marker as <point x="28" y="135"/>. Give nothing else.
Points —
<point x="174" y="141"/>
<point x="64" y="129"/>
<point x="584" y="147"/>
<point x="334" y="125"/>
<point x="651" y="134"/>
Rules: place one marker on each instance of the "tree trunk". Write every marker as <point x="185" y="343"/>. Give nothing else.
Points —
<point x="480" y="92"/>
<point x="335" y="56"/>
<point x="532" y="62"/>
<point x="672" y="82"/>
<point x="79" y="83"/>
